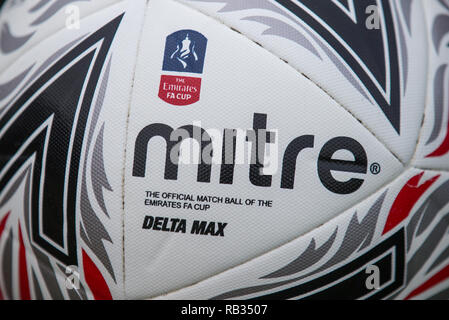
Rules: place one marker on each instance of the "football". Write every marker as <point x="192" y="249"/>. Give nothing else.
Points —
<point x="224" y="149"/>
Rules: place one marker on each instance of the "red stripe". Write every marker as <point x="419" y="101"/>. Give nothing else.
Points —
<point x="443" y="148"/>
<point x="436" y="279"/>
<point x="95" y="280"/>
<point x="406" y="200"/>
<point x="2" y="228"/>
<point x="23" y="270"/>
<point x="3" y="223"/>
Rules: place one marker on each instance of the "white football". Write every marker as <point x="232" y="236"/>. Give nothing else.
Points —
<point x="224" y="149"/>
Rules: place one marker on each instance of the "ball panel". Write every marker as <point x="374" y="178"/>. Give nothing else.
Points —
<point x="370" y="57"/>
<point x="62" y="136"/>
<point x="245" y="88"/>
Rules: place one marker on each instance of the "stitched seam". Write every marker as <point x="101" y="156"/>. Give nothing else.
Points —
<point x="139" y="42"/>
<point x="428" y="93"/>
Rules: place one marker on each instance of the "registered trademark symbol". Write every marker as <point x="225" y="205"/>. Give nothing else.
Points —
<point x="375" y="168"/>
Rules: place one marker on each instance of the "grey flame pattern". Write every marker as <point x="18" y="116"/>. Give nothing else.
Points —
<point x="7" y="264"/>
<point x="98" y="173"/>
<point x="7" y="255"/>
<point x="445" y="3"/>
<point x="427" y="213"/>
<point x="39" y="5"/>
<point x="427" y="248"/>
<point x="406" y="10"/>
<point x="442" y="257"/>
<point x="440" y="30"/>
<point x="237" y="5"/>
<point x="279" y="28"/>
<point x="10" y="86"/>
<point x="308" y="258"/>
<point x="420" y="223"/>
<point x="438" y="102"/>
<point x="406" y="6"/>
<point x="46" y="268"/>
<point x="357" y="236"/>
<point x="428" y="221"/>
<point x="276" y="27"/>
<point x="10" y="43"/>
<point x="93" y="231"/>
<point x="52" y="10"/>
<point x="13" y="84"/>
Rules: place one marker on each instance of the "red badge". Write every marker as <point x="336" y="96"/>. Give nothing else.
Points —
<point x="180" y="91"/>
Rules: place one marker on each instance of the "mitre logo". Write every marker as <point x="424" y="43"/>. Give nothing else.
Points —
<point x="225" y="147"/>
<point x="185" y="51"/>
